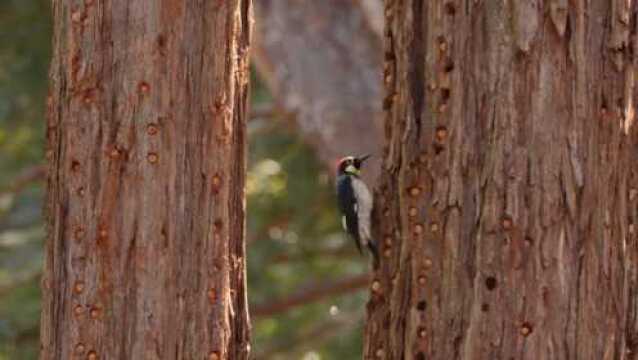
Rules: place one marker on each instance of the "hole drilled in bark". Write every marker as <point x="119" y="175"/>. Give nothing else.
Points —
<point x="216" y="183"/>
<point x="75" y="166"/>
<point x="427" y="263"/>
<point x="445" y="95"/>
<point x="78" y="288"/>
<point x="412" y="211"/>
<point x="115" y="153"/>
<point x="442" y="43"/>
<point x="485" y="307"/>
<point x="450" y="9"/>
<point x="441" y="134"/>
<point x="89" y="96"/>
<point x="420" y="356"/>
<point x="389" y="56"/>
<point x="414" y="191"/>
<point x="79" y="233"/>
<point x="421" y="332"/>
<point x="388" y="240"/>
<point x="152" y="158"/>
<point x="387" y="102"/>
<point x="422" y="305"/>
<point x="529" y="241"/>
<point x="491" y="283"/>
<point x="526" y="329"/>
<point x="219" y="224"/>
<point x="96" y="311"/>
<point x="631" y="344"/>
<point x="604" y="106"/>
<point x="143" y="87"/>
<point x="152" y="129"/>
<point x="507" y="223"/>
<point x="161" y="42"/>
<point x="376" y="286"/>
<point x="76" y="16"/>
<point x="449" y="66"/>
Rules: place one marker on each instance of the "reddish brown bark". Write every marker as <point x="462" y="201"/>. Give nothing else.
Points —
<point x="322" y="62"/>
<point x="507" y="204"/>
<point x="146" y="148"/>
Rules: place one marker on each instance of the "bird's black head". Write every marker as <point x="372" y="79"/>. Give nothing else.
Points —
<point x="351" y="165"/>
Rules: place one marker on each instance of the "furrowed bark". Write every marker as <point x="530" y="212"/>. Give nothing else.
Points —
<point x="507" y="204"/>
<point x="146" y="146"/>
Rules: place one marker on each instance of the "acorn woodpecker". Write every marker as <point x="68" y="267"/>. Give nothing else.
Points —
<point x="355" y="203"/>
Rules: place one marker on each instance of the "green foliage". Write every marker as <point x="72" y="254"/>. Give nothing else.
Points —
<point x="25" y="48"/>
<point x="25" y="33"/>
<point x="294" y="238"/>
<point x="19" y="319"/>
<point x="293" y="234"/>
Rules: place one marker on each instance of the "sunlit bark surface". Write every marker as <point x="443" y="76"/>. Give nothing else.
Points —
<point x="146" y="149"/>
<point x="507" y="204"/>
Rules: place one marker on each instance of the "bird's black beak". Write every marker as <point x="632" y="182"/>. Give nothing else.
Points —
<point x="364" y="158"/>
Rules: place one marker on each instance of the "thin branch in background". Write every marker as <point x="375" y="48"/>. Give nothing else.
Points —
<point x="342" y="252"/>
<point x="310" y="295"/>
<point x="26" y="177"/>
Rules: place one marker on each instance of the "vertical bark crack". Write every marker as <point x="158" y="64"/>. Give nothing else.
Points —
<point x="416" y="61"/>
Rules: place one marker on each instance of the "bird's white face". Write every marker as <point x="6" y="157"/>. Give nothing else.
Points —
<point x="351" y="168"/>
<point x="348" y="165"/>
<point x="351" y="165"/>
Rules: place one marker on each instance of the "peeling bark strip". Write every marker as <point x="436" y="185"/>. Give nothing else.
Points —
<point x="146" y="146"/>
<point x="508" y="203"/>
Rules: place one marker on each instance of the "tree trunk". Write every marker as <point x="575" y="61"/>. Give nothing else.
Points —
<point x="507" y="204"/>
<point x="322" y="61"/>
<point x="147" y="141"/>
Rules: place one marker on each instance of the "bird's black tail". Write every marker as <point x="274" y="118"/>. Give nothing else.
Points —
<point x="375" y="253"/>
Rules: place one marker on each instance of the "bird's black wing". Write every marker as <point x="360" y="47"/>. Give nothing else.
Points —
<point x="348" y="207"/>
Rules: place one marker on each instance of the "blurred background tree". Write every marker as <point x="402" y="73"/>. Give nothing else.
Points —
<point x="306" y="281"/>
